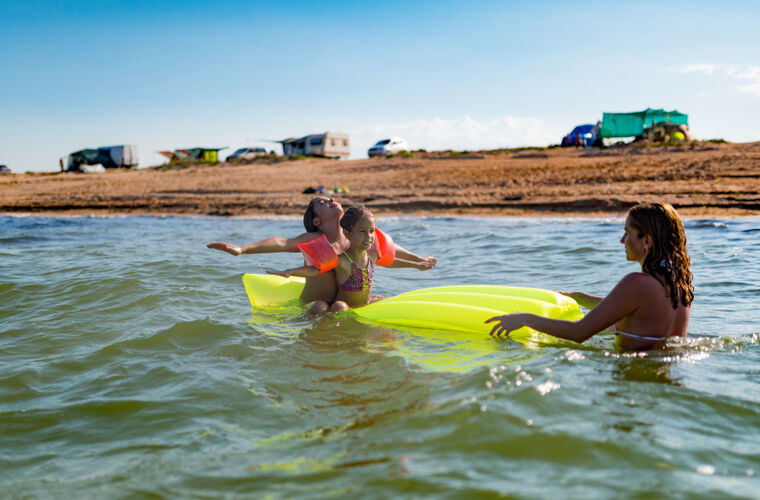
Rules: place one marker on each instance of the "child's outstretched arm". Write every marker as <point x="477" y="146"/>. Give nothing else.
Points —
<point x="404" y="254"/>
<point x="303" y="272"/>
<point x="423" y="265"/>
<point x="269" y="245"/>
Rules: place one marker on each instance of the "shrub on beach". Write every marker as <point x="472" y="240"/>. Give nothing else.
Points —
<point x="179" y="165"/>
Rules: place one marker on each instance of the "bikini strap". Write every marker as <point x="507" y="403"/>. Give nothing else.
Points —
<point x="349" y="258"/>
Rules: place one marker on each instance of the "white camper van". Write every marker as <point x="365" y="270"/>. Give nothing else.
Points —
<point x="328" y="145"/>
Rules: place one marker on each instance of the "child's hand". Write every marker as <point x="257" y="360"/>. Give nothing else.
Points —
<point x="225" y="247"/>
<point x="426" y="264"/>
<point x="284" y="274"/>
<point x="430" y="260"/>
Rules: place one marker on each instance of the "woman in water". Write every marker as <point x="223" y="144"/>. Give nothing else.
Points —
<point x="322" y="217"/>
<point x="356" y="266"/>
<point x="644" y="308"/>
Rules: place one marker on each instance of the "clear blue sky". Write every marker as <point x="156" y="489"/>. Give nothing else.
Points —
<point x="442" y="74"/>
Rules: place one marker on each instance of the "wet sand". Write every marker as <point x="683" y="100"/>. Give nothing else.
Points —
<point x="704" y="179"/>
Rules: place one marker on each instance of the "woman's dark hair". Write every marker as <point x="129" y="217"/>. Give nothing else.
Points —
<point x="353" y="215"/>
<point x="308" y="217"/>
<point x="668" y="260"/>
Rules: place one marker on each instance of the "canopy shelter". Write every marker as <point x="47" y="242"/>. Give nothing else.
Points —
<point x="208" y="155"/>
<point x="633" y="124"/>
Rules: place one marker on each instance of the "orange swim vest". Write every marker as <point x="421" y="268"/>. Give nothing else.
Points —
<point x="319" y="253"/>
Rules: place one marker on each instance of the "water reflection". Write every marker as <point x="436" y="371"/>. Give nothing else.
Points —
<point x="645" y="368"/>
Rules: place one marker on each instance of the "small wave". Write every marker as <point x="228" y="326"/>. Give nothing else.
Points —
<point x="195" y="335"/>
<point x="581" y="250"/>
<point x="722" y="284"/>
<point x="21" y="239"/>
<point x="702" y="224"/>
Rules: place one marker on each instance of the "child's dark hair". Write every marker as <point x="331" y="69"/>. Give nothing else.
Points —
<point x="308" y="217"/>
<point x="353" y="215"/>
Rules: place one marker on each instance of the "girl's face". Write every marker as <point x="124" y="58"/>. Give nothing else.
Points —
<point x="363" y="234"/>
<point x="636" y="248"/>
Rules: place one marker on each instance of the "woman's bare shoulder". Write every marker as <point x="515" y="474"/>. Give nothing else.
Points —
<point x="639" y="279"/>
<point x="635" y="286"/>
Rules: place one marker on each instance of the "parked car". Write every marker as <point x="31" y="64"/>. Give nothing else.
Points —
<point x="4" y="169"/>
<point x="582" y="135"/>
<point x="388" y="146"/>
<point x="247" y="154"/>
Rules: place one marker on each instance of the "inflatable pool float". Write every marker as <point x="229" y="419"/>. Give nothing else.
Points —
<point x="459" y="309"/>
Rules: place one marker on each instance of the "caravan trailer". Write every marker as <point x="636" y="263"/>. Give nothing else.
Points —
<point x="328" y="145"/>
<point x="121" y="156"/>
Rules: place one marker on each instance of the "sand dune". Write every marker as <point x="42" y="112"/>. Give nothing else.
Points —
<point x="702" y="179"/>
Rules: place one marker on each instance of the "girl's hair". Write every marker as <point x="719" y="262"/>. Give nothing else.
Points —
<point x="353" y="215"/>
<point x="668" y="260"/>
<point x="308" y="217"/>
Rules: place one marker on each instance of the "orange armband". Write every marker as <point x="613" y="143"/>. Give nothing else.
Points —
<point x="319" y="253"/>
<point x="384" y="247"/>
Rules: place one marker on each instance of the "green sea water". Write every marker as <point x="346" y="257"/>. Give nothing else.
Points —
<point x="133" y="367"/>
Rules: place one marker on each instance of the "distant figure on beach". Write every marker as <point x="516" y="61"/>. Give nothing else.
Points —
<point x="644" y="308"/>
<point x="322" y="217"/>
<point x="356" y="266"/>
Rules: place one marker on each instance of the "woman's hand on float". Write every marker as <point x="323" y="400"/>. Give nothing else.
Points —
<point x="284" y="274"/>
<point x="225" y="247"/>
<point x="507" y="323"/>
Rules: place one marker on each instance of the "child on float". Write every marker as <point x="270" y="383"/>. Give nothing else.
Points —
<point x="322" y="223"/>
<point x="355" y="269"/>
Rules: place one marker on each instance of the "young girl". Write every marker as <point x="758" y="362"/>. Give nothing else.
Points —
<point x="356" y="266"/>
<point x="644" y="308"/>
<point x="322" y="218"/>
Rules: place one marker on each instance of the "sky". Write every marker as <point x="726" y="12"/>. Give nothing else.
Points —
<point x="441" y="74"/>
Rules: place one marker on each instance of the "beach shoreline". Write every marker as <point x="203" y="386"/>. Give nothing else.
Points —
<point x="701" y="180"/>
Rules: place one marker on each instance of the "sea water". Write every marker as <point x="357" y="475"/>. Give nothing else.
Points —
<point x="133" y="367"/>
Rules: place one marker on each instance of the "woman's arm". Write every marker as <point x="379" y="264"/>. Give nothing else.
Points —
<point x="622" y="301"/>
<point x="269" y="245"/>
<point x="303" y="272"/>
<point x="584" y="299"/>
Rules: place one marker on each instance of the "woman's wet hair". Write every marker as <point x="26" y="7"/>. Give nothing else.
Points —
<point x="353" y="215"/>
<point x="668" y="260"/>
<point x="308" y="217"/>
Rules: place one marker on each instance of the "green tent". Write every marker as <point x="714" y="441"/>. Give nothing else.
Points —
<point x="632" y="124"/>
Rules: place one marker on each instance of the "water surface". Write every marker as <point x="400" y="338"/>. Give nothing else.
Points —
<point x="131" y="367"/>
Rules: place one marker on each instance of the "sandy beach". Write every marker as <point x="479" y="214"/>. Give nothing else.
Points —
<point x="702" y="179"/>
